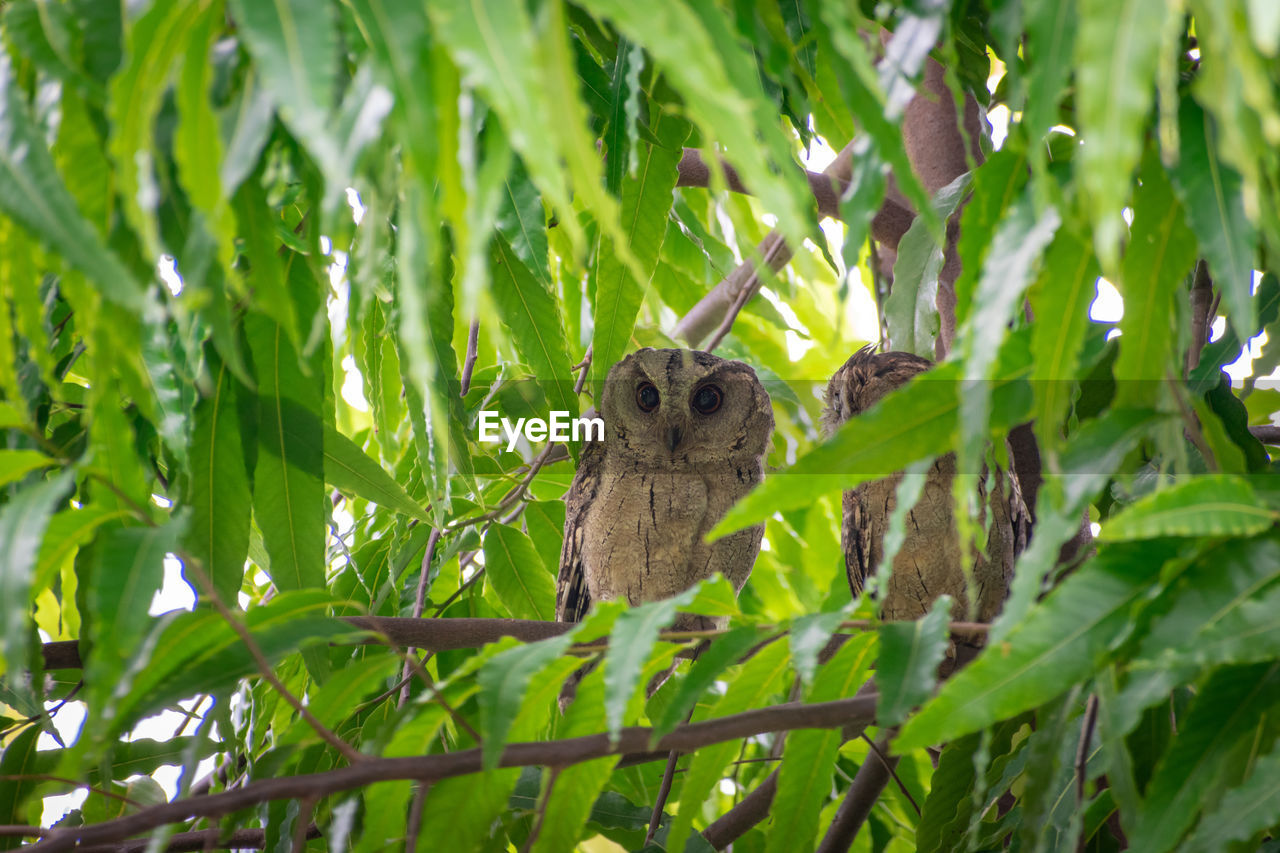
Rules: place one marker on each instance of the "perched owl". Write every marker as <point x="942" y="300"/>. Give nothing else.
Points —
<point x="685" y="436"/>
<point x="928" y="563"/>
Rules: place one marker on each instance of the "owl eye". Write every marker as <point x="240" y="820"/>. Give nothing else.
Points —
<point x="707" y="399"/>
<point x="647" y="397"/>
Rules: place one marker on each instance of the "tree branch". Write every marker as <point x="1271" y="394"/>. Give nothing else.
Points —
<point x="202" y="839"/>
<point x="868" y="783"/>
<point x="438" y="635"/>
<point x="561" y="753"/>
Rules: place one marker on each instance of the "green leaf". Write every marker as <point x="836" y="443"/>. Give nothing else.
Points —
<point x="808" y="761"/>
<point x="759" y="678"/>
<point x="17" y="767"/>
<point x="512" y="566"/>
<point x="16" y="464"/>
<point x="1213" y="200"/>
<point x="154" y="45"/>
<point x="646" y="203"/>
<point x="996" y="184"/>
<point x="503" y="680"/>
<point x="1228" y="707"/>
<point x="351" y="470"/>
<point x="721" y="88"/>
<point x="1092" y="454"/>
<point x="1243" y="811"/>
<point x="724" y="651"/>
<point x="523" y="222"/>
<point x="127" y="571"/>
<point x="909" y="656"/>
<point x="460" y="813"/>
<point x="914" y="422"/>
<point x="630" y="643"/>
<point x="294" y="44"/>
<point x="531" y="314"/>
<point x="288" y="487"/>
<point x="1244" y="630"/>
<point x="1116" y="60"/>
<point x="944" y="816"/>
<point x="808" y="637"/>
<point x="1051" y="36"/>
<point x="218" y="489"/>
<point x="572" y="800"/>
<point x="339" y="698"/>
<point x="1058" y="643"/>
<point x="911" y="312"/>
<point x="23" y="520"/>
<point x="1204" y="505"/>
<point x="1161" y="251"/>
<point x="67" y="531"/>
<point x="198" y="652"/>
<point x="1060" y="302"/>
<point x="32" y="193"/>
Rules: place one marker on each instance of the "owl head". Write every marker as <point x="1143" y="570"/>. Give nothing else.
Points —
<point x="864" y="379"/>
<point x="679" y="409"/>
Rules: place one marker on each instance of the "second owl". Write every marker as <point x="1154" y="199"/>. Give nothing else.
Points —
<point x="686" y="434"/>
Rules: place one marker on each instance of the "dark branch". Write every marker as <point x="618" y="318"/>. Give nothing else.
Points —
<point x="561" y="753"/>
<point x="868" y="783"/>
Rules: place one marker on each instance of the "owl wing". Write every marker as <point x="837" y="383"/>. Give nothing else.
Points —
<point x="573" y="599"/>
<point x="857" y="536"/>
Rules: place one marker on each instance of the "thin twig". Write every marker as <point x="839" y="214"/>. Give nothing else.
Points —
<point x="543" y="800"/>
<point x="300" y="832"/>
<point x="415" y="815"/>
<point x="660" y="803"/>
<point x="891" y="767"/>
<point x="420" y="601"/>
<point x="469" y="364"/>
<point x="1082" y="750"/>
<point x="264" y="666"/>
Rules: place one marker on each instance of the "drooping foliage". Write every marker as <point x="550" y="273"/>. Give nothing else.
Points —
<point x="262" y="265"/>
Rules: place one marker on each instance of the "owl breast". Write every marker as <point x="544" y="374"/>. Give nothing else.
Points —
<point x="646" y="529"/>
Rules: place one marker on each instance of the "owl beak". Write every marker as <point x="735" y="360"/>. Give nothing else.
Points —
<point x="674" y="434"/>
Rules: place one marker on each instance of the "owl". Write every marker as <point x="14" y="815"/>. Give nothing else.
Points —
<point x="929" y="562"/>
<point x="685" y="437"/>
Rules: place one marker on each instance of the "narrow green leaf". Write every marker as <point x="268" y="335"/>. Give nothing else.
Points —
<point x="17" y="781"/>
<point x="1116" y="59"/>
<point x="503" y="680"/>
<point x="1015" y="251"/>
<point x="718" y="82"/>
<point x="944" y="816"/>
<point x="1244" y="630"/>
<point x="911" y="311"/>
<point x="339" y="697"/>
<point x="1229" y="706"/>
<point x="531" y="314"/>
<point x="16" y="464"/>
<point x="154" y="45"/>
<point x="545" y="521"/>
<point x="288" y="487"/>
<point x="23" y="520"/>
<point x="1058" y="643"/>
<point x="460" y="813"/>
<point x="646" y="203"/>
<point x="1213" y="200"/>
<point x="67" y="531"/>
<point x="630" y="642"/>
<point x="909" y="656"/>
<point x="522" y="582"/>
<point x="808" y="637"/>
<point x="218" y="489"/>
<point x="198" y="652"/>
<point x="1243" y="811"/>
<point x="1160" y="252"/>
<point x="1060" y="302"/>
<point x="128" y="568"/>
<point x="808" y="762"/>
<point x="725" y="651"/>
<point x="295" y="47"/>
<point x="32" y="193"/>
<point x="1051" y="37"/>
<point x="996" y="183"/>
<point x="572" y="800"/>
<point x="759" y="678"/>
<point x="350" y="469"/>
<point x="1204" y="505"/>
<point x="523" y="222"/>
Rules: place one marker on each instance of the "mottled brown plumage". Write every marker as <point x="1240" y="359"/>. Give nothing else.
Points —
<point x="929" y="561"/>
<point x="686" y="434"/>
